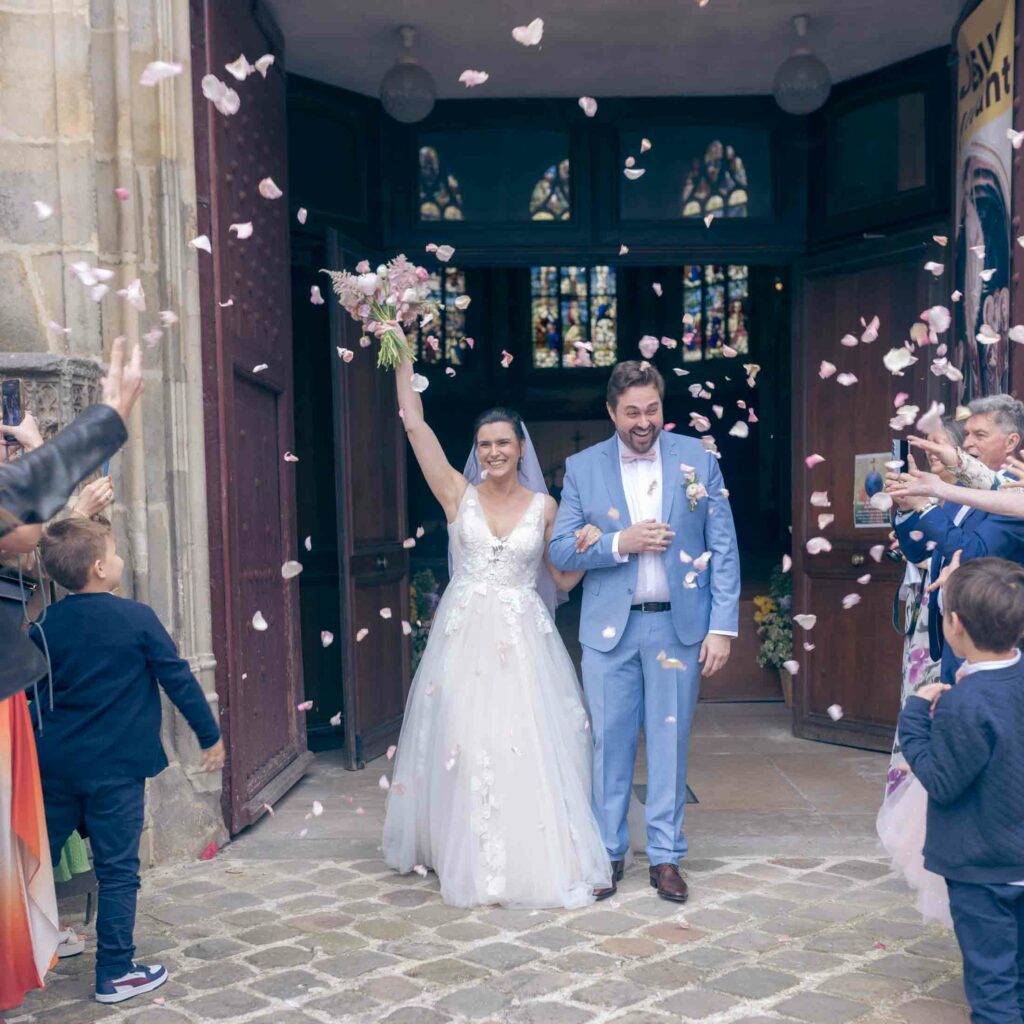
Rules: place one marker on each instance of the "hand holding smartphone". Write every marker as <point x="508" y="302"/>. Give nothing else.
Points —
<point x="11" y="399"/>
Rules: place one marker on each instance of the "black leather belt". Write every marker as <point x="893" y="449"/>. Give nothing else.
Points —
<point x="652" y="606"/>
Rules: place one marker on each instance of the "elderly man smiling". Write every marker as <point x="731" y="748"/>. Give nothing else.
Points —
<point x="992" y="433"/>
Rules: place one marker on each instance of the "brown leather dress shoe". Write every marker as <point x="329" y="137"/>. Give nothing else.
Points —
<point x="669" y="883"/>
<point x="618" y="870"/>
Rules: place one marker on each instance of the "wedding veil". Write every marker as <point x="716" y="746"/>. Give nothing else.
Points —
<point x="531" y="476"/>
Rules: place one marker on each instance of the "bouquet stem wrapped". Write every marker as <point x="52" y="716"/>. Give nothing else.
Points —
<point x="385" y="301"/>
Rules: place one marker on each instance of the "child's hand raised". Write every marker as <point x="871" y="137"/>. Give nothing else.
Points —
<point x="931" y="692"/>
<point x="212" y="758"/>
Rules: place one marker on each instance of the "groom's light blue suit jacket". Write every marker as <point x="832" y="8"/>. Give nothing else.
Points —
<point x="593" y="487"/>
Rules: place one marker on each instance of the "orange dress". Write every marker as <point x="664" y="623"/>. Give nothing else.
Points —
<point x="29" y="924"/>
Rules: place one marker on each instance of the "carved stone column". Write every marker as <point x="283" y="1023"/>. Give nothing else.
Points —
<point x="114" y="161"/>
<point x="55" y="389"/>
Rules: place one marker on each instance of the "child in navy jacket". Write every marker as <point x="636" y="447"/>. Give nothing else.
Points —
<point x="966" y="746"/>
<point x="99" y="737"/>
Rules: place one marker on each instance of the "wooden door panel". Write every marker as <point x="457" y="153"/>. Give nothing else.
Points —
<point x="264" y="696"/>
<point x="743" y="679"/>
<point x="856" y="662"/>
<point x="370" y="442"/>
<point x="380" y="665"/>
<point x="246" y="320"/>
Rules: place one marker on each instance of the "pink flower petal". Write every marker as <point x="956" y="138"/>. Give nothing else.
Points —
<point x="471" y="79"/>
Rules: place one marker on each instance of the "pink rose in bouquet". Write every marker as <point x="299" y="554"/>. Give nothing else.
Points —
<point x="384" y="301"/>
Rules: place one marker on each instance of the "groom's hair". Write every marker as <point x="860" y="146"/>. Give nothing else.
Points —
<point x="500" y="415"/>
<point x="633" y="374"/>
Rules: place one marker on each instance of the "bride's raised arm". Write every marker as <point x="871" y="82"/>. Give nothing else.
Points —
<point x="446" y="483"/>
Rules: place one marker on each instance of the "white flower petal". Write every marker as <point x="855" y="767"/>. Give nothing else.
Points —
<point x="157" y="71"/>
<point x="269" y="190"/>
<point x="529" y="35"/>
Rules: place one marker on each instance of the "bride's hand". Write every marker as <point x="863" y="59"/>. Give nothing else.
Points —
<point x="587" y="537"/>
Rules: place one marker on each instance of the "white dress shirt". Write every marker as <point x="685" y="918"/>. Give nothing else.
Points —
<point x="641" y="480"/>
<point x="642" y="484"/>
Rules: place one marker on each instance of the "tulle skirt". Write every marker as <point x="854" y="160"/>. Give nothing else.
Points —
<point x="491" y="782"/>
<point x="901" y="827"/>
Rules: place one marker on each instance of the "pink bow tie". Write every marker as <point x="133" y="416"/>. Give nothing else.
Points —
<point x="628" y="457"/>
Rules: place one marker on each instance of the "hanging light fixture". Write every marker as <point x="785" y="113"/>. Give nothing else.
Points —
<point x="802" y="83"/>
<point x="407" y="91"/>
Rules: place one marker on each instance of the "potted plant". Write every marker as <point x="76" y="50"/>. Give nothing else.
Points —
<point x="775" y="628"/>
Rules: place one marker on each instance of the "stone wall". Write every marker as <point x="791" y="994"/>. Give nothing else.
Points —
<point x="75" y="126"/>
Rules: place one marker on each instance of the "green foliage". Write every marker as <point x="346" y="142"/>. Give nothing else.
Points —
<point x="423" y="597"/>
<point x="774" y="624"/>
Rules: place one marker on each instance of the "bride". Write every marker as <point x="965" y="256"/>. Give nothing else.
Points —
<point x="491" y="784"/>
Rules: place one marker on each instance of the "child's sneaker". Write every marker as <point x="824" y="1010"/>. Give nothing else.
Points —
<point x="132" y="983"/>
<point x="71" y="943"/>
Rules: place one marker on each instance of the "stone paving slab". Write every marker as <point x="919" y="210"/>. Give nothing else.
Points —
<point x="793" y="919"/>
<point x="374" y="951"/>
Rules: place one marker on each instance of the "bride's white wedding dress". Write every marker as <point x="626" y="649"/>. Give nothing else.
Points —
<point x="491" y="783"/>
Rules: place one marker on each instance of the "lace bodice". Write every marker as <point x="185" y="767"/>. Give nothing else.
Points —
<point x="479" y="556"/>
<point x="507" y="567"/>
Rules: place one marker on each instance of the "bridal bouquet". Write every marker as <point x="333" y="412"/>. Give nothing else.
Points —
<point x="384" y="300"/>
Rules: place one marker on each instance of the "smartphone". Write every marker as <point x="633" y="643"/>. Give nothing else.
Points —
<point x="901" y="451"/>
<point x="10" y="396"/>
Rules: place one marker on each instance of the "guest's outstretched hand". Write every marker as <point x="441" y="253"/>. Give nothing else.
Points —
<point x="944" y="453"/>
<point x="123" y="384"/>
<point x="914" y="484"/>
<point x="1014" y="473"/>
<point x="95" y="497"/>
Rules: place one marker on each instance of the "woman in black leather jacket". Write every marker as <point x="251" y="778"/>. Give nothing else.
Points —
<point x="34" y="487"/>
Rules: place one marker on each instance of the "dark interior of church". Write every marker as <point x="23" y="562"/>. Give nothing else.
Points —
<point x="568" y="261"/>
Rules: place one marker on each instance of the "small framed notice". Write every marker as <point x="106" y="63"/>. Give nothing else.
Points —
<point x="868" y="480"/>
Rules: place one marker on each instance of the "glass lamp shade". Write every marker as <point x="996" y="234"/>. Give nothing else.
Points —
<point x="407" y="91"/>
<point x="802" y="83"/>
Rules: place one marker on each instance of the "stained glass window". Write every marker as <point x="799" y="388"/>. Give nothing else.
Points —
<point x="550" y="197"/>
<point x="574" y="316"/>
<point x="444" y="338"/>
<point x="440" y="198"/>
<point x="716" y="184"/>
<point x="716" y="310"/>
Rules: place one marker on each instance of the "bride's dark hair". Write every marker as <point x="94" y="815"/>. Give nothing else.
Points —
<point x="500" y="415"/>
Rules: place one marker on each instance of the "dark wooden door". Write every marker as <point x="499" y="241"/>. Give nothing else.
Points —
<point x="372" y="526"/>
<point x="246" y="321"/>
<point x="856" y="661"/>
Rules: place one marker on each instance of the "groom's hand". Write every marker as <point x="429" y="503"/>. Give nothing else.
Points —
<point x="647" y="535"/>
<point x="714" y="653"/>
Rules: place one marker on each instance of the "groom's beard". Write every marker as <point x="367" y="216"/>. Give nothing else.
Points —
<point x="641" y="443"/>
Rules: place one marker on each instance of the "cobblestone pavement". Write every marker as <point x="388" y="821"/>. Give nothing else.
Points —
<point x="280" y="929"/>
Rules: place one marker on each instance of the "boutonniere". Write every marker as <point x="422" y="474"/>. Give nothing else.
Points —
<point x="695" y="490"/>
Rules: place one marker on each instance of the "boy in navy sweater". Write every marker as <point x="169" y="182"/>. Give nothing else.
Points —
<point x="969" y="756"/>
<point x="100" y="740"/>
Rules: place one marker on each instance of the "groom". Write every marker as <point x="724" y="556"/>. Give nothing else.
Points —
<point x="657" y="608"/>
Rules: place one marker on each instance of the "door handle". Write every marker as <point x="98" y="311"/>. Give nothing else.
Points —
<point x="857" y="560"/>
<point x="382" y="562"/>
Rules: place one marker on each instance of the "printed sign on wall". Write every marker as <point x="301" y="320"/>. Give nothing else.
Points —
<point x="981" y="244"/>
